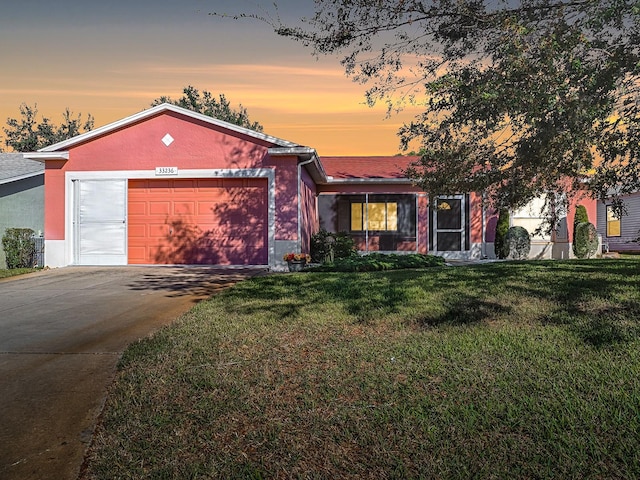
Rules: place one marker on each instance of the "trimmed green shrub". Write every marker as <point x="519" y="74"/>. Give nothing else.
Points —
<point x="517" y="243"/>
<point x="581" y="216"/>
<point x="19" y="247"/>
<point x="329" y="246"/>
<point x="381" y="261"/>
<point x="501" y="230"/>
<point x="585" y="244"/>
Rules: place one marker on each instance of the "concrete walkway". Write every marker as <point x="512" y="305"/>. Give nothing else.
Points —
<point x="62" y="332"/>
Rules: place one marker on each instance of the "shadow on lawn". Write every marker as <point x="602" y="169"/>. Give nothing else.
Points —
<point x="598" y="300"/>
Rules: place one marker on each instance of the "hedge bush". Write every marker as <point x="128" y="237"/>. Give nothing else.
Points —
<point x="501" y="230"/>
<point x="517" y="242"/>
<point x="381" y="261"/>
<point x="19" y="247"/>
<point x="329" y="246"/>
<point x="585" y="244"/>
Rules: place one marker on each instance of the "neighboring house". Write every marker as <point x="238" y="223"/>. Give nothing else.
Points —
<point x="170" y="186"/>
<point x="620" y="233"/>
<point x="21" y="195"/>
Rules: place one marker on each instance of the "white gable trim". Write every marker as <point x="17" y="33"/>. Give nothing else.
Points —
<point x="164" y="107"/>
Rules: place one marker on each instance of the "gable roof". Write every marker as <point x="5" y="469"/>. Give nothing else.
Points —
<point x="152" y="112"/>
<point x="345" y="169"/>
<point x="14" y="167"/>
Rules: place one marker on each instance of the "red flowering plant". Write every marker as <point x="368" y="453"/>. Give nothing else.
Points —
<point x="297" y="257"/>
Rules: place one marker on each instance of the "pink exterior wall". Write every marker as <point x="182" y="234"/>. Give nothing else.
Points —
<point x="54" y="200"/>
<point x="475" y="219"/>
<point x="286" y="169"/>
<point x="423" y="224"/>
<point x="308" y="211"/>
<point x="140" y="147"/>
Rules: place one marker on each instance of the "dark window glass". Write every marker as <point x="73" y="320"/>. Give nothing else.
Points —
<point x="449" y="214"/>
<point x="449" y="241"/>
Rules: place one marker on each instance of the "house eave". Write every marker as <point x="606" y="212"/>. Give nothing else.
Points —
<point x="42" y="156"/>
<point x="307" y="157"/>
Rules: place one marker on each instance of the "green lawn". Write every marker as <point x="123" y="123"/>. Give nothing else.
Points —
<point x="506" y="370"/>
<point x="5" y="273"/>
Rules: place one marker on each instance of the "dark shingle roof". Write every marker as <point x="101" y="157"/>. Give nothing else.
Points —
<point x="366" y="167"/>
<point x="14" y="167"/>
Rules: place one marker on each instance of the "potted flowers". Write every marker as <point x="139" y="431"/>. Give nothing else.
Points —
<point x="296" y="261"/>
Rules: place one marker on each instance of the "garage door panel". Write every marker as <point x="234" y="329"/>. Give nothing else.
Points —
<point x="137" y="208"/>
<point x="159" y="208"/>
<point x="203" y="221"/>
<point x="184" y="208"/>
<point x="137" y="231"/>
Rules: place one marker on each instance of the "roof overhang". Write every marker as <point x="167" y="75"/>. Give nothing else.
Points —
<point x="41" y="156"/>
<point x="307" y="157"/>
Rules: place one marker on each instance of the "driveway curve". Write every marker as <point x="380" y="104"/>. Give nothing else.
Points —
<point x="62" y="332"/>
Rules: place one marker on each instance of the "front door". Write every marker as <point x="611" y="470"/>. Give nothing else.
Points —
<point x="448" y="232"/>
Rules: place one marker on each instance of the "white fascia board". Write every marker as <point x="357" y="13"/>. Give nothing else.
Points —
<point x="42" y="156"/>
<point x="158" y="109"/>
<point x="293" y="150"/>
<point x="360" y="181"/>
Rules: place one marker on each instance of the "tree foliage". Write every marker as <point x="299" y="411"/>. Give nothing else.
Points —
<point x="520" y="97"/>
<point x="517" y="242"/>
<point x="27" y="134"/>
<point x="207" y="104"/>
<point x="502" y="226"/>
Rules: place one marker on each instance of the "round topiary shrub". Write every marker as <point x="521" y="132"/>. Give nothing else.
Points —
<point x="585" y="244"/>
<point x="517" y="243"/>
<point x="502" y="226"/>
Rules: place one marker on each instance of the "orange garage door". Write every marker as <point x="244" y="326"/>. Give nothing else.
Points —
<point x="198" y="222"/>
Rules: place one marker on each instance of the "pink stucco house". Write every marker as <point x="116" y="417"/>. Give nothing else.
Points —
<point x="170" y="186"/>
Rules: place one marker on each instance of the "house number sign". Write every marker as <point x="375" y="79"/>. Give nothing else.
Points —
<point x="166" y="171"/>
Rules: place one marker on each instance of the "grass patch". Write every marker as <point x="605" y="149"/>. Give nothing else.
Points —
<point x="506" y="370"/>
<point x="12" y="272"/>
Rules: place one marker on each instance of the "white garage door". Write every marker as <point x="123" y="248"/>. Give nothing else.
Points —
<point x="100" y="227"/>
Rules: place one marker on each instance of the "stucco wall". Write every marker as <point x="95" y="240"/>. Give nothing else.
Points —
<point x="21" y="206"/>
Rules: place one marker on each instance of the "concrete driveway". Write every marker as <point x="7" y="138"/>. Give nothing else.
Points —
<point x="62" y="332"/>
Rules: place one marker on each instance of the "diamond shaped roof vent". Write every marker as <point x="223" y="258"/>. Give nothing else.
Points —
<point x="167" y="139"/>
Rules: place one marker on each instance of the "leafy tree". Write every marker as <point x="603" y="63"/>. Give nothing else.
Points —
<point x="26" y="134"/>
<point x="207" y="104"/>
<point x="518" y="96"/>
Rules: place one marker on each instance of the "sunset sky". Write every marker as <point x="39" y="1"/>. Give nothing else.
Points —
<point x="111" y="59"/>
